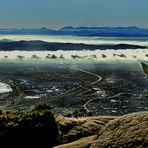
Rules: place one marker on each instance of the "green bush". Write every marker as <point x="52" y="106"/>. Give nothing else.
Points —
<point x="79" y="113"/>
<point x="37" y="127"/>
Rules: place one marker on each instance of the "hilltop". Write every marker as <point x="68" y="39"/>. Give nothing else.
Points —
<point x="41" y="45"/>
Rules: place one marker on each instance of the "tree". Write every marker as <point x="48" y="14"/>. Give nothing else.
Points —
<point x="48" y="56"/>
<point x="37" y="127"/>
<point x="61" y="56"/>
<point x="103" y="56"/>
<point x="6" y="57"/>
<point x="53" y="57"/>
<point x="122" y="55"/>
<point x="35" y="56"/>
<point x="41" y="107"/>
<point x="20" y="57"/>
<point x="81" y="113"/>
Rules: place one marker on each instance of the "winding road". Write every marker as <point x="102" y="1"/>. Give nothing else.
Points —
<point x="16" y="96"/>
<point x="99" y="78"/>
<point x="80" y="88"/>
<point x="74" y="91"/>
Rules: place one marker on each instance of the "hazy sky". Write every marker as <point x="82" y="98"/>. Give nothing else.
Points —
<point x="59" y="13"/>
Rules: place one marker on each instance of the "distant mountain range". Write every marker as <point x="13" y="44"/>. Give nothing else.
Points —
<point x="41" y="45"/>
<point x="83" y="31"/>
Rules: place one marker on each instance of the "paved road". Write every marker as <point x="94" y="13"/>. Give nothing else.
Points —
<point x="16" y="97"/>
<point x="99" y="78"/>
<point x="79" y="88"/>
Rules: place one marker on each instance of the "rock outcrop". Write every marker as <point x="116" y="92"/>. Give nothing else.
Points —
<point x="81" y="143"/>
<point x="76" y="128"/>
<point x="128" y="131"/>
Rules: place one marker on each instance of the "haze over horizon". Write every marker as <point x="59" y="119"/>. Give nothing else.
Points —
<point x="72" y="27"/>
<point x="56" y="14"/>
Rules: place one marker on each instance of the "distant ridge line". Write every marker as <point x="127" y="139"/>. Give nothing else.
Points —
<point x="131" y="31"/>
<point x="52" y="46"/>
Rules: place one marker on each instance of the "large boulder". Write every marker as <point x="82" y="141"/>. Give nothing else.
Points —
<point x="81" y="143"/>
<point x="128" y="131"/>
<point x="76" y="128"/>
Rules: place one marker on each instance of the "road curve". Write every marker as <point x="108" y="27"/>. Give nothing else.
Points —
<point x="99" y="78"/>
<point x="85" y="105"/>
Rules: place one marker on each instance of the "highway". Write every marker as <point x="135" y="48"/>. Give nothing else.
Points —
<point x="80" y="89"/>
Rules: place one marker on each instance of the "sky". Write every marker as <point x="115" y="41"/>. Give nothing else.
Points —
<point x="59" y="13"/>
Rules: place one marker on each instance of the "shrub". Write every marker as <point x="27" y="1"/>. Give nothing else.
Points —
<point x="81" y="113"/>
<point x="31" y="128"/>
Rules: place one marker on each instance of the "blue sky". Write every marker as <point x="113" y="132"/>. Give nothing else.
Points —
<point x="59" y="13"/>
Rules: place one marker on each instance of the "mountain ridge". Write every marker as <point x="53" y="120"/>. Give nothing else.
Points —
<point x="53" y="46"/>
<point x="131" y="31"/>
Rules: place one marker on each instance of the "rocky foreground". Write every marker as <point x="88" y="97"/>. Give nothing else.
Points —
<point x="128" y="131"/>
